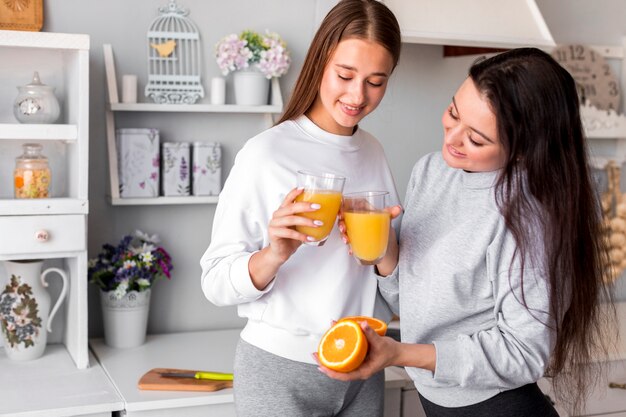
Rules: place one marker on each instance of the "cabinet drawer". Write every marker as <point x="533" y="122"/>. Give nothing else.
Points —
<point x="41" y="234"/>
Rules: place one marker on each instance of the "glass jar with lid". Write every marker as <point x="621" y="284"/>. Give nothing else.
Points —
<point x="32" y="174"/>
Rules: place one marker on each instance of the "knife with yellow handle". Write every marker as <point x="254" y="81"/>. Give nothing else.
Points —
<point x="214" y="376"/>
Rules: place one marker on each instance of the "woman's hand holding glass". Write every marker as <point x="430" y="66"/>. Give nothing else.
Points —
<point x="283" y="234"/>
<point x="386" y="263"/>
<point x="284" y="238"/>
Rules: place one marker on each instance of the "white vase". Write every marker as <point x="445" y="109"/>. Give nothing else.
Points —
<point x="126" y="319"/>
<point x="25" y="316"/>
<point x="251" y="87"/>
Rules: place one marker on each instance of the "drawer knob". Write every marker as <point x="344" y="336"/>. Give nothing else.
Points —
<point x="42" y="235"/>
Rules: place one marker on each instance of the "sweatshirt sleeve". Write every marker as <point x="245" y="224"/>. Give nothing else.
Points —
<point x="239" y="229"/>
<point x="389" y="288"/>
<point x="512" y="353"/>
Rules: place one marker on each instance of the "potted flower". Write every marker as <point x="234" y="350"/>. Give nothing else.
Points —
<point x="125" y="274"/>
<point x="251" y="57"/>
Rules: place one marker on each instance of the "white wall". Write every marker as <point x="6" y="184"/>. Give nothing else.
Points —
<point x="407" y="121"/>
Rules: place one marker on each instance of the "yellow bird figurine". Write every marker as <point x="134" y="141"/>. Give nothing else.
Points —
<point x="164" y="49"/>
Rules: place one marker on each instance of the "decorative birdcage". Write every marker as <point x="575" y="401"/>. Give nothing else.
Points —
<point x="174" y="57"/>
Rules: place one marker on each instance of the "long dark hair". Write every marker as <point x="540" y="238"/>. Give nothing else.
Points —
<point x="536" y="104"/>
<point x="361" y="19"/>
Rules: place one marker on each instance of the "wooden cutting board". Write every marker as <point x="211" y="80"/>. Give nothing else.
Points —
<point x="152" y="380"/>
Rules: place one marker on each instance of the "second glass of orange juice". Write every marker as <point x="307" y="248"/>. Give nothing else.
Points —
<point x="367" y="225"/>
<point x="325" y="190"/>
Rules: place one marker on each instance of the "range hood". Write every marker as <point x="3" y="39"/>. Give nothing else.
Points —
<point x="475" y="23"/>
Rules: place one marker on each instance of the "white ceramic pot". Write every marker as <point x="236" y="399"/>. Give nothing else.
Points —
<point x="126" y="319"/>
<point x="24" y="307"/>
<point x="251" y="87"/>
<point x="36" y="103"/>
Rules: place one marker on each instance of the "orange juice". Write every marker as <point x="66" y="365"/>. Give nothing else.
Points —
<point x="330" y="202"/>
<point x="369" y="234"/>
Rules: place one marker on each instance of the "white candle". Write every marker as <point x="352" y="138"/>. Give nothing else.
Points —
<point x="129" y="88"/>
<point x="218" y="90"/>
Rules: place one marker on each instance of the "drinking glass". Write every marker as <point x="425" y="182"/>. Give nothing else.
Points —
<point x="367" y="225"/>
<point x="324" y="189"/>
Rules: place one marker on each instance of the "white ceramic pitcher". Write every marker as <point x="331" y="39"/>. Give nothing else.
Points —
<point x="24" y="307"/>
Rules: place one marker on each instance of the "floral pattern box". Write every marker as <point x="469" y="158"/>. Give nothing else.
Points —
<point x="207" y="168"/>
<point x="175" y="175"/>
<point x="138" y="162"/>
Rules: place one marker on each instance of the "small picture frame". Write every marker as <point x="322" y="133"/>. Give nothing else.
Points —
<point x="21" y="15"/>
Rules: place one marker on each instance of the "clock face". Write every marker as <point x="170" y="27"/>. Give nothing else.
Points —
<point x="593" y="75"/>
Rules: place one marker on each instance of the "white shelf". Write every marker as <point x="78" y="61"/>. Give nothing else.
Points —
<point x="113" y="105"/>
<point x="163" y="201"/>
<point x="44" y="40"/>
<point x="65" y="60"/>
<point x="199" y="108"/>
<point x="52" y="386"/>
<point x="67" y="133"/>
<point x="43" y="206"/>
<point x="602" y="124"/>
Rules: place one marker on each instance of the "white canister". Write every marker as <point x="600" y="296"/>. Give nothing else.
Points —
<point x="175" y="169"/>
<point x="129" y="88"/>
<point x="207" y="168"/>
<point x="218" y="90"/>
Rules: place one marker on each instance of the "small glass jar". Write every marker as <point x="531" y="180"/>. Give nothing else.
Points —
<point x="32" y="173"/>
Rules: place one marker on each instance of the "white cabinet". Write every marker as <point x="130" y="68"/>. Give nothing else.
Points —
<point x="61" y="382"/>
<point x="113" y="106"/>
<point x="62" y="61"/>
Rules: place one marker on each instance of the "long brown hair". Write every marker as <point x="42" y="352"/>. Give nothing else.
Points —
<point x="536" y="104"/>
<point x="361" y="19"/>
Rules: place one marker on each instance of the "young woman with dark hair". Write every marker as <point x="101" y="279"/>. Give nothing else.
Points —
<point x="289" y="292"/>
<point x="501" y="272"/>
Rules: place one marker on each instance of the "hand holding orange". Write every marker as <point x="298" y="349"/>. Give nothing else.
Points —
<point x="344" y="346"/>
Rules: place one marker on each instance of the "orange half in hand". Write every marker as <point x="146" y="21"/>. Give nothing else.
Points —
<point x="378" y="325"/>
<point x="343" y="347"/>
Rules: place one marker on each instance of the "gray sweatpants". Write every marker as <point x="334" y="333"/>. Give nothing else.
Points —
<point x="267" y="385"/>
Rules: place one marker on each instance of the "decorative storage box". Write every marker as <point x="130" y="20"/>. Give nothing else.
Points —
<point x="175" y="178"/>
<point x="207" y="168"/>
<point x="138" y="162"/>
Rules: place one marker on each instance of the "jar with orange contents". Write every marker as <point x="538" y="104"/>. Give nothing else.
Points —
<point x="32" y="173"/>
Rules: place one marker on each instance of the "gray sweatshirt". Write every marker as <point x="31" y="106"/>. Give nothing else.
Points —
<point x="455" y="287"/>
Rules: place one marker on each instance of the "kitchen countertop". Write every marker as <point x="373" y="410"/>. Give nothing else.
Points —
<point x="205" y="350"/>
<point x="52" y="386"/>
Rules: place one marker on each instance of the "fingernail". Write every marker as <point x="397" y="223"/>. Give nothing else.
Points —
<point x="345" y="240"/>
<point x="318" y="222"/>
<point x="310" y="238"/>
<point x="315" y="206"/>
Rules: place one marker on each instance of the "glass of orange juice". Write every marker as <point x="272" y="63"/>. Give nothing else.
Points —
<point x="325" y="190"/>
<point x="367" y="225"/>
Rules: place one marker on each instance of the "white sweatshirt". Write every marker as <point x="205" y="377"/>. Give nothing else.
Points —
<point x="317" y="284"/>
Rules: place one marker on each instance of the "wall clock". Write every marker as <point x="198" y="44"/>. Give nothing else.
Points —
<point x="593" y="75"/>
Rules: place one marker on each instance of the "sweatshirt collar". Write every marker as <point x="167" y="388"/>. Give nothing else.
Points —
<point x="346" y="143"/>
<point x="479" y="180"/>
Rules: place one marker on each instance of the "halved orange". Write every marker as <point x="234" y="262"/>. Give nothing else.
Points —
<point x="343" y="347"/>
<point x="378" y="325"/>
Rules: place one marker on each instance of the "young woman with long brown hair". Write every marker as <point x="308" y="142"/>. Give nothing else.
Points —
<point x="501" y="272"/>
<point x="289" y="292"/>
